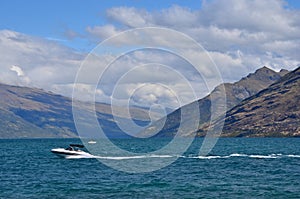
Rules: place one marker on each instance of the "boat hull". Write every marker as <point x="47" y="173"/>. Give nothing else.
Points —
<point x="67" y="153"/>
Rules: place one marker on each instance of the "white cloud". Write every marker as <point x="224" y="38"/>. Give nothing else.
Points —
<point x="102" y="31"/>
<point x="133" y="76"/>
<point x="19" y="77"/>
<point x="240" y="36"/>
<point x="36" y="62"/>
<point x="17" y="69"/>
<point x="176" y="16"/>
<point x="253" y="16"/>
<point x="250" y="27"/>
<point x="130" y="16"/>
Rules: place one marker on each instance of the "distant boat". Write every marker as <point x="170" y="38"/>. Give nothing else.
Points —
<point x="92" y="142"/>
<point x="71" y="151"/>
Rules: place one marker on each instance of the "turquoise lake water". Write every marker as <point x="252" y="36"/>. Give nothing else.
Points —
<point x="236" y="168"/>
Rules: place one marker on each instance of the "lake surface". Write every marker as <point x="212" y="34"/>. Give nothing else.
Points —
<point x="236" y="168"/>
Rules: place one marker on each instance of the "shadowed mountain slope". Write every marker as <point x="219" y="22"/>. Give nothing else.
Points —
<point x="30" y="112"/>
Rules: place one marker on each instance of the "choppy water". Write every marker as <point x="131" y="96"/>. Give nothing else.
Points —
<point x="236" y="168"/>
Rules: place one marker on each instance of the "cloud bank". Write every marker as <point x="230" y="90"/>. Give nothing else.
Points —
<point x="36" y="62"/>
<point x="247" y="33"/>
<point x="240" y="36"/>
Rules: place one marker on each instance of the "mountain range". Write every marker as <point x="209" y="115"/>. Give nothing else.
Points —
<point x="31" y="112"/>
<point x="235" y="94"/>
<point x="273" y="112"/>
<point x="264" y="103"/>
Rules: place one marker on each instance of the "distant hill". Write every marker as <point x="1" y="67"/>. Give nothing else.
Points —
<point x="235" y="93"/>
<point x="275" y="111"/>
<point x="30" y="112"/>
<point x="257" y="107"/>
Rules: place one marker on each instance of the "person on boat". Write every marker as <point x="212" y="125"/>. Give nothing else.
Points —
<point x="70" y="148"/>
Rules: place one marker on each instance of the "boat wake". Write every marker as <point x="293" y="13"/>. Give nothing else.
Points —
<point x="234" y="155"/>
<point x="87" y="156"/>
<point x="119" y="157"/>
<point x="257" y="156"/>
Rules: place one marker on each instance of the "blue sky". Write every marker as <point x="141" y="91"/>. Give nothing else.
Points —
<point x="43" y="43"/>
<point x="50" y="19"/>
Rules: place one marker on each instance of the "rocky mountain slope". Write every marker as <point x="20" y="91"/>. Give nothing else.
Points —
<point x="30" y="112"/>
<point x="275" y="111"/>
<point x="235" y="93"/>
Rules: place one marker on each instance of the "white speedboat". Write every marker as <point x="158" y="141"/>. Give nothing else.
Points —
<point x="72" y="151"/>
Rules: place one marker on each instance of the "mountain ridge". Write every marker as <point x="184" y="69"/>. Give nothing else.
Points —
<point x="235" y="93"/>
<point x="32" y="112"/>
<point x="273" y="111"/>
